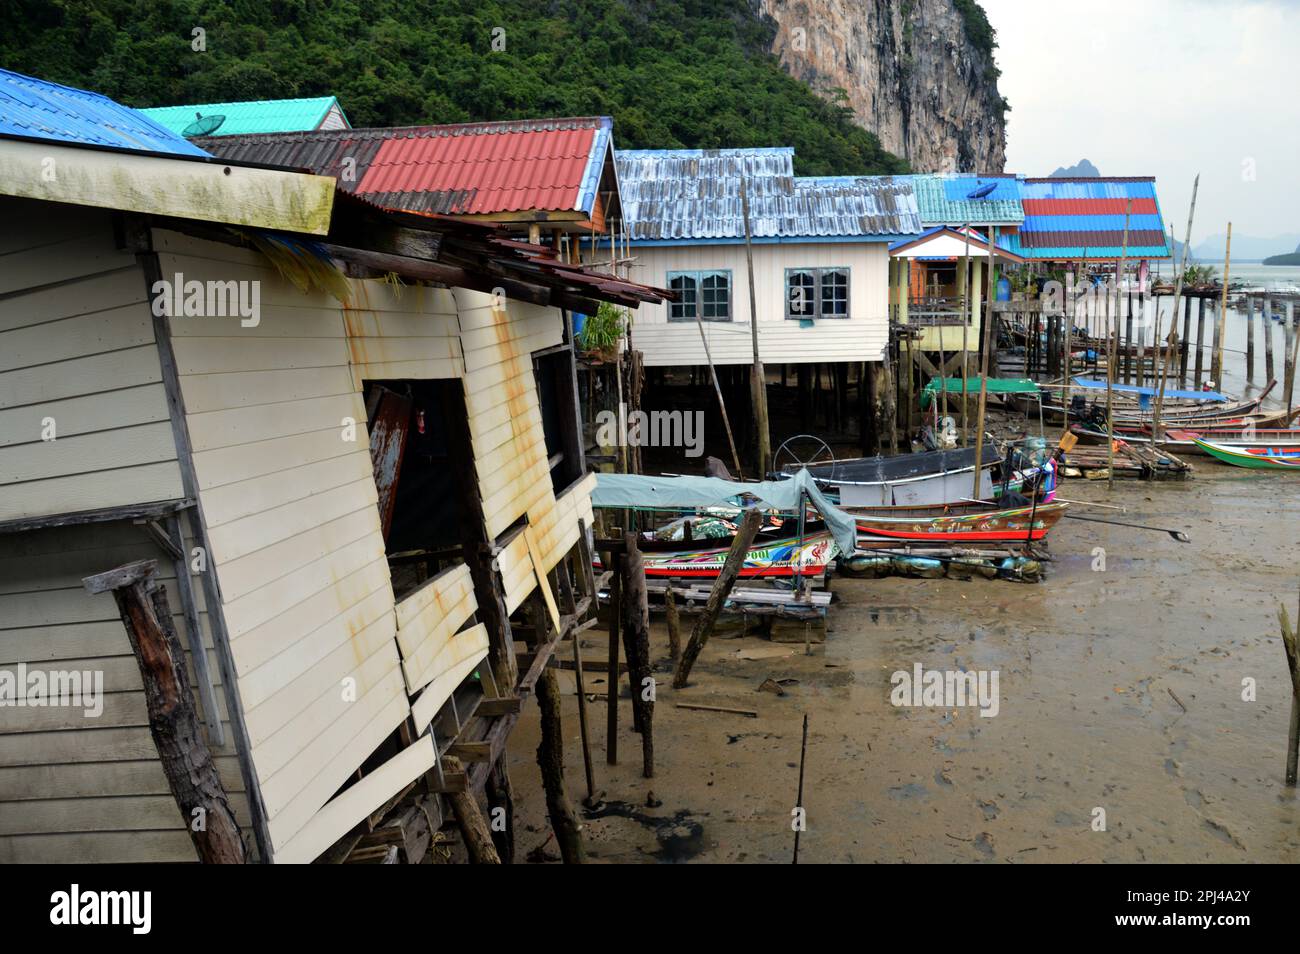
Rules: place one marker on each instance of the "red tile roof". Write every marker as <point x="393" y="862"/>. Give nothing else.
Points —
<point x="547" y="165"/>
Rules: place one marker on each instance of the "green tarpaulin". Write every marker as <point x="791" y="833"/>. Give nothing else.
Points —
<point x="996" y="386"/>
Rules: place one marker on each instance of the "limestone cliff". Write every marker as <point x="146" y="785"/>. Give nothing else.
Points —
<point x="917" y="73"/>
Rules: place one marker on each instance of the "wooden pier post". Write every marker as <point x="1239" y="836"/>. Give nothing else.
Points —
<point x="1216" y="372"/>
<point x="615" y="623"/>
<point x="474" y="830"/>
<point x="500" y="794"/>
<point x="173" y="718"/>
<point x="1187" y="334"/>
<point x="1128" y="341"/>
<point x="1288" y="355"/>
<point x="1268" y="339"/>
<point x="1216" y="361"/>
<point x="718" y="595"/>
<point x="1293" y="667"/>
<point x="636" y="643"/>
<point x="1200" y="345"/>
<point x="1250" y="338"/>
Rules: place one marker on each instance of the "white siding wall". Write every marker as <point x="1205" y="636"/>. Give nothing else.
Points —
<point x="77" y="345"/>
<point x="860" y="337"/>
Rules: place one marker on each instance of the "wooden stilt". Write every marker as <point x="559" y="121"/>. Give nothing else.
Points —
<point x="1293" y="667"/>
<point x="1268" y="339"/>
<point x="474" y="831"/>
<point x="173" y="718"/>
<point x="1200" y="342"/>
<point x="615" y="620"/>
<point x="717" y="596"/>
<point x="1250" y="339"/>
<point x="500" y="796"/>
<point x="674" y="624"/>
<point x="636" y="639"/>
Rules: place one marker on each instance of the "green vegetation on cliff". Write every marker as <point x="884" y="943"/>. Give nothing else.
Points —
<point x="672" y="73"/>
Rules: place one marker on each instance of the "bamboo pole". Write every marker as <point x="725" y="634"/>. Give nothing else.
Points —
<point x="759" y="381"/>
<point x="966" y="312"/>
<point x="1173" y="325"/>
<point x="986" y="320"/>
<point x="1111" y="358"/>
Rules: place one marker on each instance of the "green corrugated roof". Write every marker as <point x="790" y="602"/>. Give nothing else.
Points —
<point x="258" y="116"/>
<point x="939" y="197"/>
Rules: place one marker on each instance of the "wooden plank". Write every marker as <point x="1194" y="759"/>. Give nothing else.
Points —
<point x="128" y="326"/>
<point x="88" y="848"/>
<point x="90" y="294"/>
<point x="241" y="537"/>
<point x="551" y="608"/>
<point x="80" y="376"/>
<point x="133" y="813"/>
<point x="223" y="355"/>
<point x="346" y="809"/>
<point x="247" y="425"/>
<point x="126" y="447"/>
<point x="425" y="668"/>
<point x="237" y="195"/>
<point x="127" y="407"/>
<point x="89" y="780"/>
<point x="80" y="492"/>
<point x="228" y="465"/>
<point x="232" y="389"/>
<point x="439" y="691"/>
<point x="221" y="505"/>
<point x="446" y="589"/>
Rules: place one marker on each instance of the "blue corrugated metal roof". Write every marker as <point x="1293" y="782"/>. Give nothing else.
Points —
<point x="942" y="199"/>
<point x="693" y="195"/>
<point x="36" y="109"/>
<point x="252" y="116"/>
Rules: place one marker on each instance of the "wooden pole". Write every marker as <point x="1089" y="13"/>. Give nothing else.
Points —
<point x="1110" y="363"/>
<point x="474" y="830"/>
<point x="500" y="794"/>
<point x="615" y="622"/>
<point x="966" y="312"/>
<point x="803" y="755"/>
<point x="718" y="595"/>
<point x="759" y="381"/>
<point x="986" y="320"/>
<point x="1163" y="370"/>
<point x="1216" y="363"/>
<point x="173" y="718"/>
<point x="1268" y="339"/>
<point x="636" y="640"/>
<point x="1250" y="339"/>
<point x="1291" y="341"/>
<point x="674" y="624"/>
<point x="1293" y="666"/>
<point x="1200" y="343"/>
<point x="1187" y="335"/>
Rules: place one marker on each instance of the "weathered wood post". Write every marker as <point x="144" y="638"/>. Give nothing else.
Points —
<point x="674" y="624"/>
<point x="1250" y="338"/>
<point x="473" y="826"/>
<point x="1268" y="339"/>
<point x="500" y="794"/>
<point x="1293" y="666"/>
<point x="173" y="720"/>
<point x="718" y="595"/>
<point x="615" y="620"/>
<point x="1288" y="355"/>
<point x="636" y="643"/>
<point x="1187" y="333"/>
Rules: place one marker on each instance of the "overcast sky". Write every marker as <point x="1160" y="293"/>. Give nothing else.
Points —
<point x="1167" y="88"/>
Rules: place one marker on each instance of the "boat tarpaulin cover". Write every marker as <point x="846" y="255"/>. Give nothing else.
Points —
<point x="1143" y="391"/>
<point x="633" y="491"/>
<point x="996" y="386"/>
<point x="879" y="470"/>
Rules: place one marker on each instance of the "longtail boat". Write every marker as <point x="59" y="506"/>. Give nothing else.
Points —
<point x="908" y="480"/>
<point x="959" y="525"/>
<point x="1257" y="456"/>
<point x="783" y="556"/>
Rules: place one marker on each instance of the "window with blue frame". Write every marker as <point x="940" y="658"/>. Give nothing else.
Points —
<point x="710" y="290"/>
<point x="817" y="292"/>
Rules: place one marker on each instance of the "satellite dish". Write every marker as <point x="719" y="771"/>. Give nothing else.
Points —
<point x="983" y="191"/>
<point x="203" y="125"/>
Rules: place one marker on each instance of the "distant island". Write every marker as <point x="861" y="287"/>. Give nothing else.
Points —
<point x="1290" y="258"/>
<point x="1082" y="168"/>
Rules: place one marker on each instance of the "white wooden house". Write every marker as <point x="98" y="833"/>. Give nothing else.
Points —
<point x="819" y="246"/>
<point x="242" y="451"/>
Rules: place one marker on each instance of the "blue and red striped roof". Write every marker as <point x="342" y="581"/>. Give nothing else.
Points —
<point x="1078" y="218"/>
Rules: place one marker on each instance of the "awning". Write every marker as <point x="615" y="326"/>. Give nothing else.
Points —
<point x="995" y="386"/>
<point x="637" y="491"/>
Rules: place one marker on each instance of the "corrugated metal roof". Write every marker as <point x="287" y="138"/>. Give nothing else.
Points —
<point x="693" y="195"/>
<point x="36" y="109"/>
<point x="254" y="116"/>
<point x="468" y="169"/>
<point x="942" y="199"/>
<point x="1068" y="219"/>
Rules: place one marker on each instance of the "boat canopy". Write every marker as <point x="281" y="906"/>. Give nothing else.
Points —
<point x="641" y="492"/>
<point x="1147" y="392"/>
<point x="995" y="386"/>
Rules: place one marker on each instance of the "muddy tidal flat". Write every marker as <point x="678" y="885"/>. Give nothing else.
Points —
<point x="1120" y="689"/>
